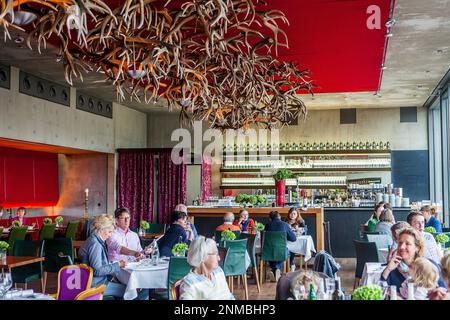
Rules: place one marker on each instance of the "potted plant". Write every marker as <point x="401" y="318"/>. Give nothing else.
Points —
<point x="227" y="235"/>
<point x="17" y="224"/>
<point x="258" y="228"/>
<point x="242" y="198"/>
<point x="442" y="238"/>
<point x="144" y="225"/>
<point x="280" y="185"/>
<point x="179" y="250"/>
<point x="430" y="229"/>
<point x="59" y="220"/>
<point x="369" y="292"/>
<point x="48" y="221"/>
<point x="3" y="247"/>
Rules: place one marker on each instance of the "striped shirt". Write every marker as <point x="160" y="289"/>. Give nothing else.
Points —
<point x="198" y="287"/>
<point x="432" y="250"/>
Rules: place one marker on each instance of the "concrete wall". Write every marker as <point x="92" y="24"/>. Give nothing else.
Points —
<point x="27" y="118"/>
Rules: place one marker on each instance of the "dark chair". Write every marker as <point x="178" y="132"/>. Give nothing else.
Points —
<point x="251" y="249"/>
<point x="382" y="240"/>
<point x="366" y="233"/>
<point x="156" y="228"/>
<point x="326" y="227"/>
<point x="234" y="262"/>
<point x="53" y="252"/>
<point x="273" y="248"/>
<point x="87" y="229"/>
<point x="47" y="232"/>
<point x="365" y="252"/>
<point x="30" y="272"/>
<point x="71" y="230"/>
<point x="178" y="269"/>
<point x="16" y="233"/>
<point x="445" y="229"/>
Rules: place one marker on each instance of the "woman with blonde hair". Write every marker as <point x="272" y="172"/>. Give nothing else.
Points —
<point x="442" y="293"/>
<point x="424" y="276"/>
<point x="411" y="246"/>
<point x="206" y="281"/>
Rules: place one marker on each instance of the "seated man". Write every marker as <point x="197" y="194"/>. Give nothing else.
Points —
<point x="228" y="223"/>
<point x="123" y="242"/>
<point x="181" y="207"/>
<point x="432" y="250"/>
<point x="277" y="225"/>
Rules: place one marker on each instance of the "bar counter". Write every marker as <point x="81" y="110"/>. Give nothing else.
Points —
<point x="344" y="223"/>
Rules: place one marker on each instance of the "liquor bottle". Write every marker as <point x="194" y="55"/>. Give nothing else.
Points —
<point x="381" y="145"/>
<point x="321" y="146"/>
<point x="282" y="147"/>
<point x="312" y="294"/>
<point x="327" y="146"/>
<point x="268" y="148"/>
<point x="362" y="146"/>
<point x="388" y="145"/>
<point x="301" y="146"/>
<point x="295" y="147"/>
<point x="287" y="146"/>
<point x="374" y="145"/>
<point x="308" y="146"/>
<point x="354" y="146"/>
<point x="337" y="294"/>
<point x="393" y="293"/>
<point x="321" y="295"/>
<point x="348" y="146"/>
<point x="315" y="146"/>
<point x="335" y="146"/>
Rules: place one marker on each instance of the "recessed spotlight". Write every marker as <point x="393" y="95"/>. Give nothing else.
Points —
<point x="383" y="67"/>
<point x="390" y="23"/>
<point x="389" y="34"/>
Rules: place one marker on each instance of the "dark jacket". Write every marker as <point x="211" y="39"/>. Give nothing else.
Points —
<point x="325" y="263"/>
<point x="278" y="225"/>
<point x="173" y="235"/>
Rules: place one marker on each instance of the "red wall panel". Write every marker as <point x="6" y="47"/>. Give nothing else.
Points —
<point x="29" y="178"/>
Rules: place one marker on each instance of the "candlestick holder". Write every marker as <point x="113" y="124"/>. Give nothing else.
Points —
<point x="86" y="201"/>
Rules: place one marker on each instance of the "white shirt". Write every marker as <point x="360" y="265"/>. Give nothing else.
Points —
<point x="198" y="287"/>
<point x="432" y="250"/>
<point x="119" y="239"/>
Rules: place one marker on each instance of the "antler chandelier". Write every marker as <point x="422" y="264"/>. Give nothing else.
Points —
<point x="212" y="59"/>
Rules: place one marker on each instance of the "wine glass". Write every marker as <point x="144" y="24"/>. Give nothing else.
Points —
<point x="5" y="283"/>
<point x="329" y="286"/>
<point x="299" y="291"/>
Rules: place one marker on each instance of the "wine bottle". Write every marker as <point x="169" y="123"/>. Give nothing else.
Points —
<point x="337" y="294"/>
<point x="321" y="146"/>
<point x="312" y="294"/>
<point x="321" y="295"/>
<point x="301" y="146"/>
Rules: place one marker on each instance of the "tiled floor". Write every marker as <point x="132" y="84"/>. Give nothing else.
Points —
<point x="267" y="290"/>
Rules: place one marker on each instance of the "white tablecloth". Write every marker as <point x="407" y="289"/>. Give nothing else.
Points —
<point x="372" y="273"/>
<point x="138" y="276"/>
<point x="304" y="245"/>
<point x="26" y="295"/>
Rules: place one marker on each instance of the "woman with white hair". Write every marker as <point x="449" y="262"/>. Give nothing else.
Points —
<point x="206" y="281"/>
<point x="94" y="253"/>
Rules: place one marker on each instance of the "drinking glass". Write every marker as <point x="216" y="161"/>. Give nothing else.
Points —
<point x="5" y="283"/>
<point x="329" y="286"/>
<point x="299" y="291"/>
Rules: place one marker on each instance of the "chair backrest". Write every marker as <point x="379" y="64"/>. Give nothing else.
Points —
<point x="251" y="247"/>
<point x="326" y="226"/>
<point x="234" y="262"/>
<point x="16" y="233"/>
<point x="28" y="248"/>
<point x="445" y="229"/>
<point x="178" y="269"/>
<point x="364" y="234"/>
<point x="365" y="252"/>
<point x="274" y="244"/>
<point x="47" y="231"/>
<point x="71" y="229"/>
<point x="72" y="280"/>
<point x="381" y="240"/>
<point x="156" y="228"/>
<point x="218" y="235"/>
<point x="92" y="293"/>
<point x="53" y="250"/>
<point x="87" y="229"/>
<point x="175" y="290"/>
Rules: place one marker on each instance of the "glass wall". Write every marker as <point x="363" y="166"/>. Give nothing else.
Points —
<point x="439" y="149"/>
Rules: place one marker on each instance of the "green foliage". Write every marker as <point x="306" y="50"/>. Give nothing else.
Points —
<point x="4" y="245"/>
<point x="59" y="219"/>
<point x="430" y="230"/>
<point x="228" y="235"/>
<point x="48" y="221"/>
<point x="144" y="224"/>
<point x="17" y="223"/>
<point x="261" y="199"/>
<point x="259" y="226"/>
<point x="442" y="238"/>
<point x="179" y="248"/>
<point x="370" y="292"/>
<point x="282" y="174"/>
<point x="252" y="199"/>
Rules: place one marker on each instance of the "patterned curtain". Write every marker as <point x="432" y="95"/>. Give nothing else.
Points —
<point x="206" y="184"/>
<point x="171" y="185"/>
<point x="135" y="184"/>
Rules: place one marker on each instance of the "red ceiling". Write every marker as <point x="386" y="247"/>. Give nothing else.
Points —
<point x="330" y="37"/>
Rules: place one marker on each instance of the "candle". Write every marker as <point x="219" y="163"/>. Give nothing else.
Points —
<point x="86" y="192"/>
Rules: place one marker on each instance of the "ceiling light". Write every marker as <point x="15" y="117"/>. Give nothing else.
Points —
<point x="390" y="23"/>
<point x="383" y="67"/>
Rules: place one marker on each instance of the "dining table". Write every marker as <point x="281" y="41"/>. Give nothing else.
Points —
<point x="12" y="262"/>
<point x="372" y="273"/>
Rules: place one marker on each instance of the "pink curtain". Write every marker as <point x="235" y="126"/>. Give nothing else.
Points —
<point x="206" y="184"/>
<point x="171" y="185"/>
<point x="135" y="184"/>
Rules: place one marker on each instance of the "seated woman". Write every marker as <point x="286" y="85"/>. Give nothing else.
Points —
<point x="424" y="276"/>
<point x="178" y="231"/>
<point x="246" y="224"/>
<point x="206" y="281"/>
<point x="227" y="224"/>
<point x="295" y="221"/>
<point x="410" y="247"/>
<point x="375" y="218"/>
<point x="387" y="220"/>
<point x="441" y="293"/>
<point x="94" y="253"/>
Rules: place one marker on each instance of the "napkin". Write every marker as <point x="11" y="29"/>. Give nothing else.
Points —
<point x="19" y="293"/>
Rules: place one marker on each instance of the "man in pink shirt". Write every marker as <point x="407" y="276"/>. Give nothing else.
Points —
<point x="123" y="242"/>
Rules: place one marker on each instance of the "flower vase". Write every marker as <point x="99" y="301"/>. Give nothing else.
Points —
<point x="3" y="256"/>
<point x="141" y="232"/>
<point x="180" y="254"/>
<point x="280" y="187"/>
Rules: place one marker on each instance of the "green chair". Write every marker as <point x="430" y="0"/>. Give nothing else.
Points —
<point x="71" y="229"/>
<point x="30" y="272"/>
<point x="47" y="231"/>
<point x="218" y="235"/>
<point x="156" y="228"/>
<point x="17" y="233"/>
<point x="251" y="249"/>
<point x="178" y="269"/>
<point x="53" y="251"/>
<point x="273" y="248"/>
<point x="234" y="263"/>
